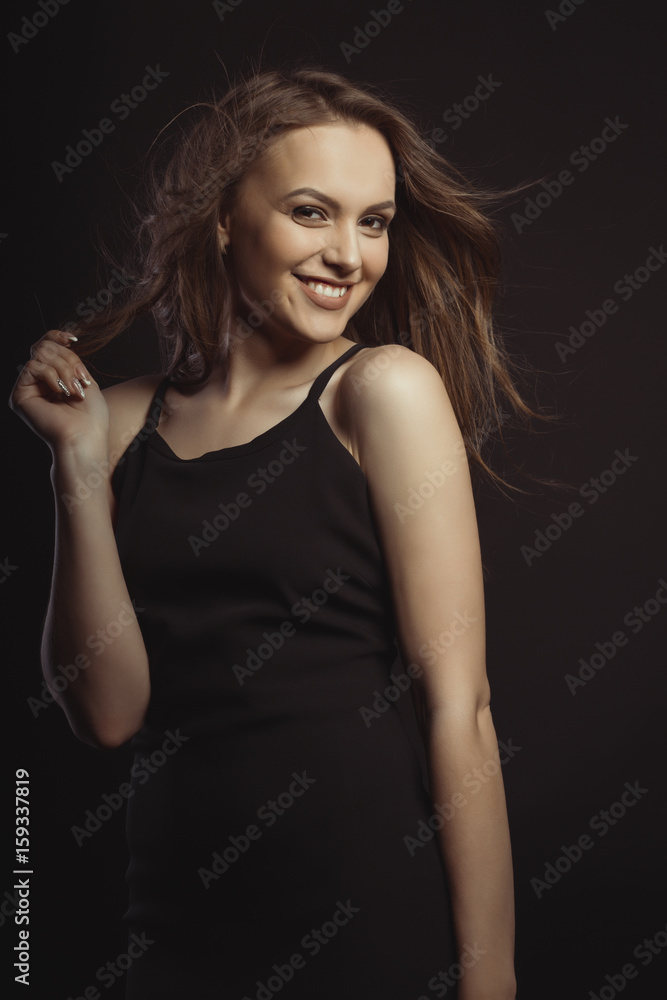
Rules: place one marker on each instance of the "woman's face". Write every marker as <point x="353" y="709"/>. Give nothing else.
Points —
<point x="307" y="237"/>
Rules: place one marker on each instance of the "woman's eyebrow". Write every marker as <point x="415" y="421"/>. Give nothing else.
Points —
<point x="332" y="203"/>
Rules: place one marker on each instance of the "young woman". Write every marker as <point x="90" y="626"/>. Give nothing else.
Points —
<point x="268" y="518"/>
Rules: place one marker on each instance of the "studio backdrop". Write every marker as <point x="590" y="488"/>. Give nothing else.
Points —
<point x="567" y="97"/>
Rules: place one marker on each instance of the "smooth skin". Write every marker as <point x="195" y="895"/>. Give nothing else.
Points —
<point x="388" y="407"/>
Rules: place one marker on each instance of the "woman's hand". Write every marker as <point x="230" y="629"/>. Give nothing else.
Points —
<point x="106" y="703"/>
<point x="59" y="400"/>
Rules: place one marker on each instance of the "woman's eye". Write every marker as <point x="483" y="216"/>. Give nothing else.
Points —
<point x="308" y="212"/>
<point x="375" y="222"/>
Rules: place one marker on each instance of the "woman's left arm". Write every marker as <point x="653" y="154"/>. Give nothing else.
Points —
<point x="403" y="428"/>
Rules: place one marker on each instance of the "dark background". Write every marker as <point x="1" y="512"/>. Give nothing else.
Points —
<point x="558" y="84"/>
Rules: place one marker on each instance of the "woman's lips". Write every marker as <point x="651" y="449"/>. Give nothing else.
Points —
<point x="320" y="299"/>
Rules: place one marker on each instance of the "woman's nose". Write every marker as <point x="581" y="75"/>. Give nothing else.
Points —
<point x="343" y="249"/>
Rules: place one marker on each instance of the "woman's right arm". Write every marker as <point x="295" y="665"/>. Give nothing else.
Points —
<point x="104" y="684"/>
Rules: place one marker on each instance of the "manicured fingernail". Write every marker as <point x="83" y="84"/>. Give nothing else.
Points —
<point x="84" y="378"/>
<point x="72" y="337"/>
<point x="79" y="388"/>
<point x="64" y="387"/>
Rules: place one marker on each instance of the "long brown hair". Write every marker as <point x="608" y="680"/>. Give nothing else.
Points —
<point x="435" y="297"/>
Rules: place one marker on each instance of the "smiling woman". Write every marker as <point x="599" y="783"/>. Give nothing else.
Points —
<point x="326" y="246"/>
<point x="296" y="234"/>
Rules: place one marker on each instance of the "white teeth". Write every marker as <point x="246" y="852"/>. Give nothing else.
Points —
<point x="331" y="291"/>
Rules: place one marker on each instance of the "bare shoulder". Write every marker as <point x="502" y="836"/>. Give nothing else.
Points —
<point x="388" y="374"/>
<point x="129" y="403"/>
<point x="410" y="448"/>
<point x="393" y="399"/>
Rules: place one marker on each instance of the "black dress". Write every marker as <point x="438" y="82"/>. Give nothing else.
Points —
<point x="272" y="816"/>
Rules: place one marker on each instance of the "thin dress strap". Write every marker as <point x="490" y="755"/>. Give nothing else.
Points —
<point x="157" y="403"/>
<point x="317" y="388"/>
<point x="120" y="470"/>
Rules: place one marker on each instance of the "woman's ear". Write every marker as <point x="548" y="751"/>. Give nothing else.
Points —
<point x="224" y="234"/>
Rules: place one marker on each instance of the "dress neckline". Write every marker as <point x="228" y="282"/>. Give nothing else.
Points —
<point x="156" y="441"/>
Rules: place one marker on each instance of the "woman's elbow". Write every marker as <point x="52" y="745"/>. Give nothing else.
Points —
<point x="102" y="735"/>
